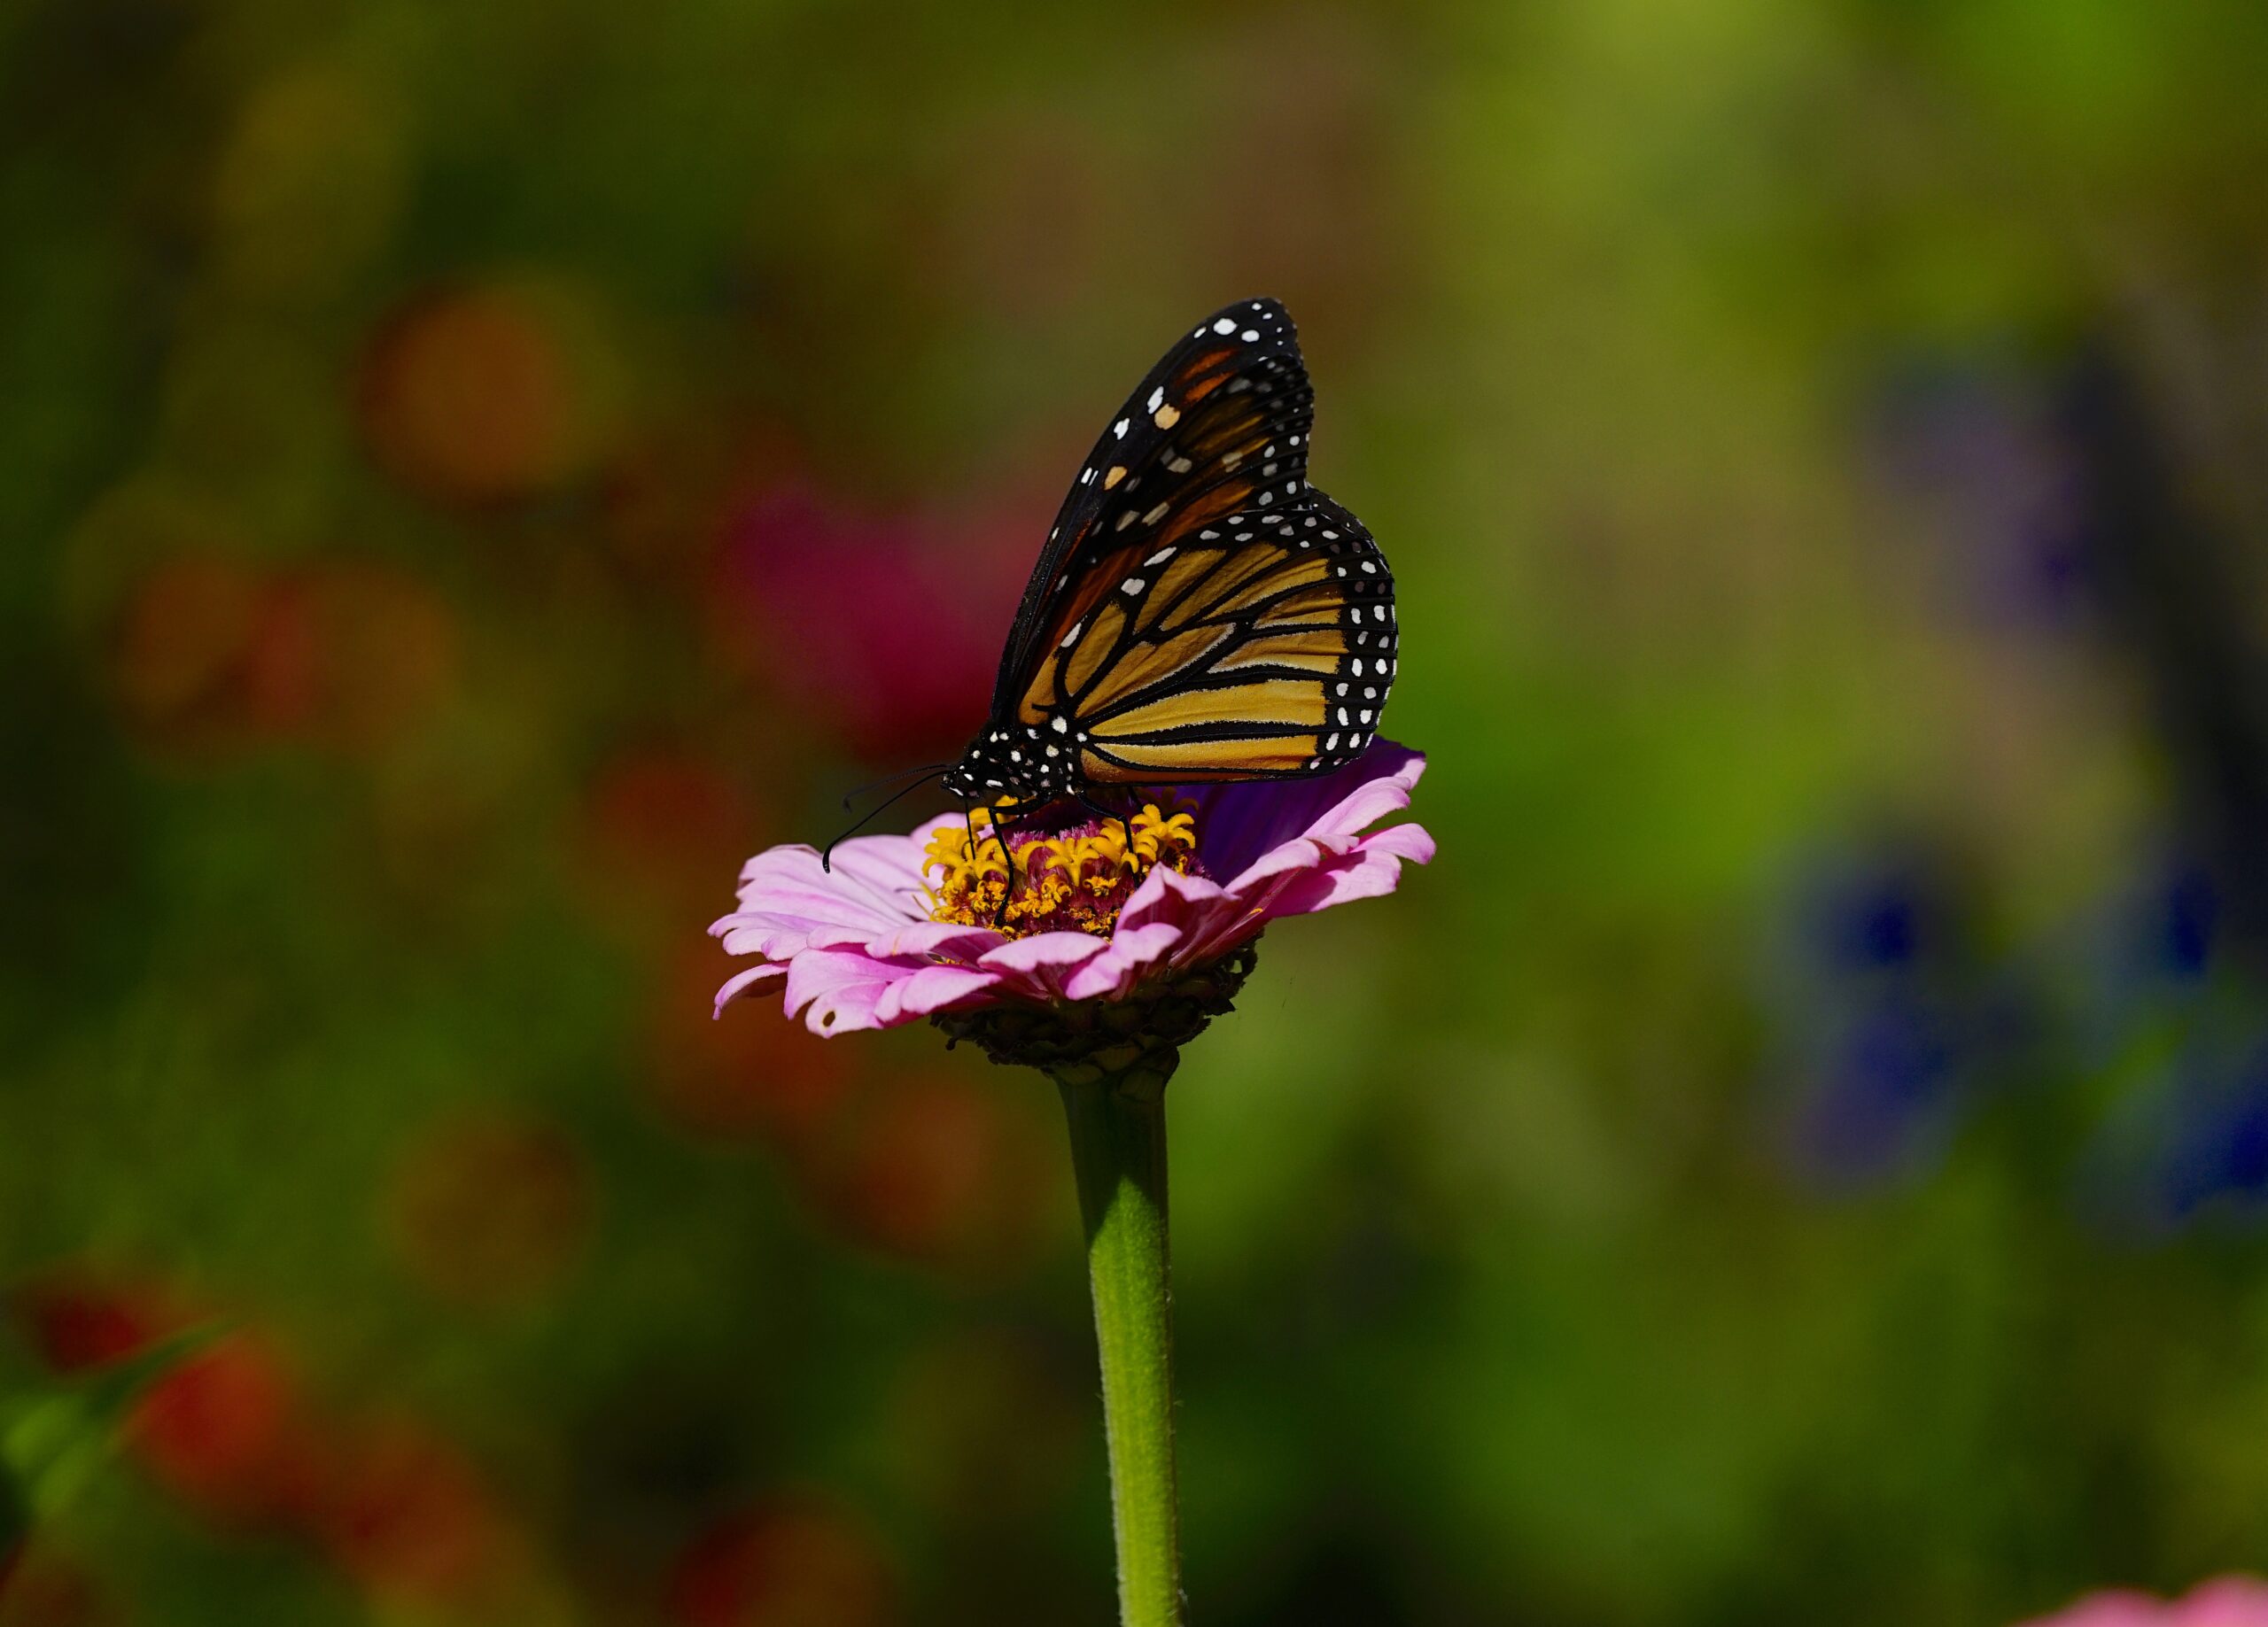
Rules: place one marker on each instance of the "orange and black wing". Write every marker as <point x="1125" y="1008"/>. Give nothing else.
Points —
<point x="1258" y="644"/>
<point x="1221" y="425"/>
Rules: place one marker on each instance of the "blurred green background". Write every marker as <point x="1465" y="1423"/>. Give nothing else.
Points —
<point x="469" y="474"/>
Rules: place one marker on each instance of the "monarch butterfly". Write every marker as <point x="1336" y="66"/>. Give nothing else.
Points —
<point x="1200" y="612"/>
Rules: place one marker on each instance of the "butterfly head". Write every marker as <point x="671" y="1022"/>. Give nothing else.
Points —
<point x="1023" y="761"/>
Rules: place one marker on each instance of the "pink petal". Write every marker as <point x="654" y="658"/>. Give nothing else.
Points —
<point x="873" y="879"/>
<point x="932" y="989"/>
<point x="888" y="864"/>
<point x="1210" y="920"/>
<point x="1413" y="842"/>
<point x="743" y="982"/>
<point x="2119" y="1608"/>
<point x="1045" y="951"/>
<point x="859" y="951"/>
<point x="1112" y="974"/>
<point x="1038" y="964"/>
<point x="1169" y="896"/>
<point x="1370" y="803"/>
<point x="940" y="940"/>
<point x="2231" y="1601"/>
<point x="1368" y="874"/>
<point x="843" y="988"/>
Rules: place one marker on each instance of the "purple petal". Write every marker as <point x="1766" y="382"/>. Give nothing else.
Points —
<point x="1239" y="822"/>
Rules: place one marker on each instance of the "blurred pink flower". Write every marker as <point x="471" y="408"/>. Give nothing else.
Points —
<point x="860" y="947"/>
<point x="2231" y="1601"/>
<point x="884" y="629"/>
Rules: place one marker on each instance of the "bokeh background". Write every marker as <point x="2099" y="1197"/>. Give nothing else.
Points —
<point x="470" y="473"/>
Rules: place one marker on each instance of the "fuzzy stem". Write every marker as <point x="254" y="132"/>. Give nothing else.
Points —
<point x="1118" y="1147"/>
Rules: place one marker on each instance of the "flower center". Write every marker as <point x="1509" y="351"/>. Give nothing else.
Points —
<point x="1074" y="880"/>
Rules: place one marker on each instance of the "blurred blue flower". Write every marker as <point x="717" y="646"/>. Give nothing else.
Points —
<point x="1881" y="1015"/>
<point x="1877" y="1099"/>
<point x="1974" y="446"/>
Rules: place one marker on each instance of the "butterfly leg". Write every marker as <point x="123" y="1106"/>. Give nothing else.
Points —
<point x="997" y="830"/>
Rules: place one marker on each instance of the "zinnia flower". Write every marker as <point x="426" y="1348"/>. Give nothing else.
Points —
<point x="1092" y="947"/>
<point x="1104" y="913"/>
<point x="2231" y="1601"/>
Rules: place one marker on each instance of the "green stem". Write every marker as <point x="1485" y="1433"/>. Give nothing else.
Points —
<point x="1118" y="1147"/>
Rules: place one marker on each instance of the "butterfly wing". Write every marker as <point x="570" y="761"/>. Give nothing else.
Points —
<point x="1221" y="424"/>
<point x="1260" y="645"/>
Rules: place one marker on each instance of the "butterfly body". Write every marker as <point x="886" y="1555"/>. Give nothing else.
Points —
<point x="1200" y="612"/>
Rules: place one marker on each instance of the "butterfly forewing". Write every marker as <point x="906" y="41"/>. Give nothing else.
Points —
<point x="1221" y="424"/>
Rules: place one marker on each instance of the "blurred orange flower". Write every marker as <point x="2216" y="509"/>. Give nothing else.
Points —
<point x="936" y="1169"/>
<point x="773" y="1080"/>
<point x="489" y="393"/>
<point x="491" y="1208"/>
<point x="657" y="824"/>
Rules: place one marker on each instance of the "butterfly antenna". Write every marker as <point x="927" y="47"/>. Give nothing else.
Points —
<point x="856" y="792"/>
<point x="827" y="854"/>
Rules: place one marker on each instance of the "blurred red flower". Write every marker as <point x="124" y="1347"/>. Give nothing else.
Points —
<point x="76" y="1318"/>
<point x="406" y="1516"/>
<point x="787" y="1563"/>
<point x="39" y="1588"/>
<point x="213" y="653"/>
<point x="218" y="1432"/>
<point x="215" y="1432"/>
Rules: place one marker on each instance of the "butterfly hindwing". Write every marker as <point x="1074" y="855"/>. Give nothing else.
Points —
<point x="1261" y="644"/>
<point x="1222" y="423"/>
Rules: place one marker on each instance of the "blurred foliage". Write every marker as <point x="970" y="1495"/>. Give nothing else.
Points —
<point x="475" y="472"/>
